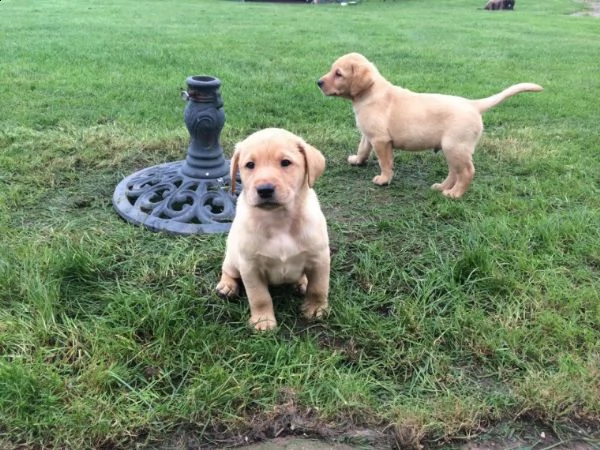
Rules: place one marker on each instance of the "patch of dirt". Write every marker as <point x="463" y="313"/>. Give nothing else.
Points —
<point x="535" y="436"/>
<point x="290" y="427"/>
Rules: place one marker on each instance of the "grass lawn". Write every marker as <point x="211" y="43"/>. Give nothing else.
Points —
<point x="450" y="319"/>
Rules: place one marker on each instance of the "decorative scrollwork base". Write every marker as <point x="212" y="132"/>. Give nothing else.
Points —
<point x="162" y="198"/>
<point x="190" y="196"/>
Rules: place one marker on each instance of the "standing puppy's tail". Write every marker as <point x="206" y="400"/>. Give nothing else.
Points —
<point x="485" y="104"/>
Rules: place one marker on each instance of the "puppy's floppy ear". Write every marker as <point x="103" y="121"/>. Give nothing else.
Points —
<point x="233" y="168"/>
<point x="314" y="161"/>
<point x="362" y="79"/>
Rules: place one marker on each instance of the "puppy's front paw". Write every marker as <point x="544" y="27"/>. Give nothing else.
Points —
<point x="381" y="180"/>
<point x="453" y="193"/>
<point x="227" y="287"/>
<point x="263" y="323"/>
<point x="312" y="310"/>
<point x="354" y="160"/>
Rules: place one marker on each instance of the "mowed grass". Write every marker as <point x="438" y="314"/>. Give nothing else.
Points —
<point x="448" y="317"/>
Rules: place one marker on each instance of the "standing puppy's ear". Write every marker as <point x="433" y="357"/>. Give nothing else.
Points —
<point x="314" y="162"/>
<point x="362" y="79"/>
<point x="233" y="168"/>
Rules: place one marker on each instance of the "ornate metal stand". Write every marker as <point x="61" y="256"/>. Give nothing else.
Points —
<point x="190" y="196"/>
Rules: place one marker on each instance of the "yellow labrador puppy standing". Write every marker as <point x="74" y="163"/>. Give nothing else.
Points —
<point x="279" y="233"/>
<point x="390" y="117"/>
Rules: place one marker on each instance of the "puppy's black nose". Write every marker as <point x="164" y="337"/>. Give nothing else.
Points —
<point x="265" y="191"/>
<point x="320" y="83"/>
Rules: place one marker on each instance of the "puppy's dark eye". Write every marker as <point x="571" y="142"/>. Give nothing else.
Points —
<point x="285" y="162"/>
<point x="249" y="165"/>
<point x="338" y="73"/>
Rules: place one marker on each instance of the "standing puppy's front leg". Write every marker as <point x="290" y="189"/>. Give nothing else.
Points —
<point x="364" y="150"/>
<point x="262" y="316"/>
<point x="385" y="154"/>
<point x="316" y="305"/>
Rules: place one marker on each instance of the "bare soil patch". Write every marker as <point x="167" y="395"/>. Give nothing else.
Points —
<point x="292" y="429"/>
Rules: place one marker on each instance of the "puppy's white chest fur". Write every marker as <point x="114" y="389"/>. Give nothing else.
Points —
<point x="283" y="259"/>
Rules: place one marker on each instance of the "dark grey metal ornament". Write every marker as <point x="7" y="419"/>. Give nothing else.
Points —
<point x="193" y="195"/>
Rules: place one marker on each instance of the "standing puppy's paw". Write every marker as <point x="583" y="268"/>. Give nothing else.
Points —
<point x="227" y="287"/>
<point x="354" y="160"/>
<point x="453" y="193"/>
<point x="380" y="180"/>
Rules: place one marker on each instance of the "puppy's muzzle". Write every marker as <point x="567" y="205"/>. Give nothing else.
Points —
<point x="266" y="191"/>
<point x="320" y="83"/>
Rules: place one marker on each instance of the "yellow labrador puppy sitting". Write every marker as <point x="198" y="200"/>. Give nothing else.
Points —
<point x="279" y="233"/>
<point x="390" y="117"/>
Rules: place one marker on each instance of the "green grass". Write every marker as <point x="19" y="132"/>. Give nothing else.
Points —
<point x="448" y="317"/>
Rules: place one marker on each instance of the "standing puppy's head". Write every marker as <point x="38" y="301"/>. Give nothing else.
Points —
<point x="350" y="76"/>
<point x="275" y="166"/>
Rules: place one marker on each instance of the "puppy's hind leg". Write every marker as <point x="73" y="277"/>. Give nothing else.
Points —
<point x="362" y="154"/>
<point x="461" y="171"/>
<point x="316" y="305"/>
<point x="447" y="184"/>
<point x="228" y="285"/>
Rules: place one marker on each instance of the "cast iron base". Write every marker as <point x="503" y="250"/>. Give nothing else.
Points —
<point x="162" y="198"/>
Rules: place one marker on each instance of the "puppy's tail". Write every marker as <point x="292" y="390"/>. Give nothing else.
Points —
<point x="487" y="103"/>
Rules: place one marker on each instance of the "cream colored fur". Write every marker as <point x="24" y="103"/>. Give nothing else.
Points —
<point x="279" y="233"/>
<point x="390" y="117"/>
